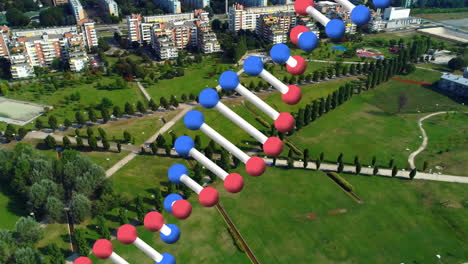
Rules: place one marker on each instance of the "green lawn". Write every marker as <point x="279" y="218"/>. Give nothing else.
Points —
<point x="399" y="221"/>
<point x="448" y="144"/>
<point x="10" y="209"/>
<point x="105" y="159"/>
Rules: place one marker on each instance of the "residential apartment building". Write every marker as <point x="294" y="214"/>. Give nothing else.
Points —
<point x="89" y="35"/>
<point x="169" y="17"/>
<point x="282" y="2"/>
<point x="164" y="47"/>
<point x="60" y="2"/>
<point x="208" y="42"/>
<point x="275" y="28"/>
<point x="248" y="3"/>
<point x="4" y="36"/>
<point x="20" y="67"/>
<point x="77" y="10"/>
<point x="110" y="6"/>
<point x="245" y="18"/>
<point x="183" y="34"/>
<point x="196" y="4"/>
<point x="77" y="60"/>
<point x="455" y="84"/>
<point x="138" y="31"/>
<point x="170" y="6"/>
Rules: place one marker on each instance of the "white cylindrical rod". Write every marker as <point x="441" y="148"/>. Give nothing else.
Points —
<point x="291" y="62"/>
<point x="267" y="76"/>
<point x="218" y="138"/>
<point x="117" y="259"/>
<point x="348" y="6"/>
<point x="272" y="113"/>
<point x="246" y="126"/>
<point x="147" y="249"/>
<point x="165" y="230"/>
<point x="194" y="153"/>
<point x="321" y="18"/>
<point x="189" y="182"/>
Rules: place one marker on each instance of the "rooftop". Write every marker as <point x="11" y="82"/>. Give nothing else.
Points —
<point x="455" y="78"/>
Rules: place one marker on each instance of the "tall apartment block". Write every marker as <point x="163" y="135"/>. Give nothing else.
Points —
<point x="60" y="2"/>
<point x="253" y="2"/>
<point x="4" y="32"/>
<point x="77" y="10"/>
<point x="89" y="35"/>
<point x="110" y="6"/>
<point x="275" y="28"/>
<point x="170" y="6"/>
<point x="245" y="18"/>
<point x="196" y="4"/>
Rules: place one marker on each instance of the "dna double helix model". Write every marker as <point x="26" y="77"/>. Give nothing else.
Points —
<point x="255" y="166"/>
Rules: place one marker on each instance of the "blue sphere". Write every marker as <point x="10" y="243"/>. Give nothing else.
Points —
<point x="173" y="236"/>
<point x="360" y="15"/>
<point x="253" y="65"/>
<point x="175" y="171"/>
<point x="228" y="80"/>
<point x="183" y="145"/>
<point x="382" y="3"/>
<point x="335" y="29"/>
<point x="171" y="198"/>
<point x="308" y="41"/>
<point x="280" y="53"/>
<point x="194" y="119"/>
<point x="167" y="259"/>
<point x="208" y="98"/>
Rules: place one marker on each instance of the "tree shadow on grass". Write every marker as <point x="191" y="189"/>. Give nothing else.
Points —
<point x="14" y="206"/>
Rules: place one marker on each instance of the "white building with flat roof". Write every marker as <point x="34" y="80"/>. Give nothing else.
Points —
<point x="396" y="13"/>
<point x="89" y="35"/>
<point x="77" y="10"/>
<point x="240" y="17"/>
<point x="110" y="6"/>
<point x="454" y="84"/>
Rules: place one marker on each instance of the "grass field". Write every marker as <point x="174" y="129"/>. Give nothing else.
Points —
<point x="10" y="209"/>
<point x="443" y="16"/>
<point x="448" y="144"/>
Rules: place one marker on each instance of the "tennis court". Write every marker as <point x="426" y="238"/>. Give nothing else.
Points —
<point x="19" y="112"/>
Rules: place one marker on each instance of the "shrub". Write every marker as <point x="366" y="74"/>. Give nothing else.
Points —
<point x="342" y="182"/>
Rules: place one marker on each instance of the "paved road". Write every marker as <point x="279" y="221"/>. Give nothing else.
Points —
<point x="143" y="90"/>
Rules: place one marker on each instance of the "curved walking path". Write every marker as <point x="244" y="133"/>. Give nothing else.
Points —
<point x="423" y="145"/>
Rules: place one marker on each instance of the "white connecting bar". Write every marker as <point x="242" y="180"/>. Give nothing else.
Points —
<point x="348" y="6"/>
<point x="246" y="126"/>
<point x="117" y="259"/>
<point x="218" y="138"/>
<point x="189" y="182"/>
<point x="165" y="230"/>
<point x="268" y="110"/>
<point x="267" y="76"/>
<point x="321" y="18"/>
<point x="291" y="62"/>
<point x="194" y="153"/>
<point x="148" y="250"/>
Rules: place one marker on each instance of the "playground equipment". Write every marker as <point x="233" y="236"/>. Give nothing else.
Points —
<point x="233" y="182"/>
<point x="209" y="98"/>
<point x="291" y="94"/>
<point x="194" y="120"/>
<point x="295" y="65"/>
<point x="334" y="28"/>
<point x="207" y="196"/>
<point x="177" y="206"/>
<point x="229" y="81"/>
<point x="302" y="37"/>
<point x="127" y="234"/>
<point x="103" y="249"/>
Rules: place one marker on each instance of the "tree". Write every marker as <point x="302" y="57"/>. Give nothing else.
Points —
<point x="90" y="132"/>
<point x="394" y="171"/>
<point x="103" y="228"/>
<point x="67" y="123"/>
<point x="80" y="207"/>
<point x="340" y="167"/>
<point x="168" y="150"/>
<point x="127" y="136"/>
<point x="425" y="165"/>
<point x="80" y="241"/>
<point x="152" y="105"/>
<point x="374" y="160"/>
<point x="174" y="101"/>
<point x="129" y="109"/>
<point x="163" y="102"/>
<point x="53" y="123"/>
<point x="27" y="255"/>
<point x="50" y="142"/>
<point x="402" y="101"/>
<point x="102" y="133"/>
<point x="39" y="125"/>
<point x="317" y="163"/>
<point x="157" y="199"/>
<point x="28" y="230"/>
<point x="22" y="132"/>
<point x="306" y="158"/>
<point x="412" y="173"/>
<point x="390" y="164"/>
<point x="79" y="143"/>
<point x="290" y="159"/>
<point x="375" y="171"/>
<point x="123" y="218"/>
<point x="117" y="112"/>
<point x="456" y="63"/>
<point x="322" y="155"/>
<point x="141" y="107"/>
<point x="54" y="208"/>
<point x="197" y="142"/>
<point x="55" y="254"/>
<point x="105" y="144"/>
<point x="66" y="142"/>
<point x="119" y="147"/>
<point x="103" y="45"/>
<point x="105" y="115"/>
<point x="358" y="168"/>
<point x="80" y="118"/>
<point x="356" y="159"/>
<point x="340" y="158"/>
<point x="92" y="115"/>
<point x="10" y="132"/>
<point x="16" y="18"/>
<point x="92" y="143"/>
<point x="225" y="161"/>
<point x="139" y="208"/>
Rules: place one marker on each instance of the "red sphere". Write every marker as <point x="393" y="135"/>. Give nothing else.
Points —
<point x="153" y="221"/>
<point x="103" y="248"/>
<point x="82" y="260"/>
<point x="208" y="197"/>
<point x="273" y="146"/>
<point x="255" y="166"/>
<point x="293" y="96"/>
<point x="299" y="68"/>
<point x="301" y="6"/>
<point x="233" y="183"/>
<point x="127" y="234"/>
<point x="294" y="34"/>
<point x="181" y="209"/>
<point x="284" y="122"/>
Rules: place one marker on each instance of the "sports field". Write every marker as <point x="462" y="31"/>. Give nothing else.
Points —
<point x="18" y="112"/>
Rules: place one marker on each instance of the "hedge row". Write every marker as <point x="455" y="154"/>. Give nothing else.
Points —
<point x="342" y="182"/>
